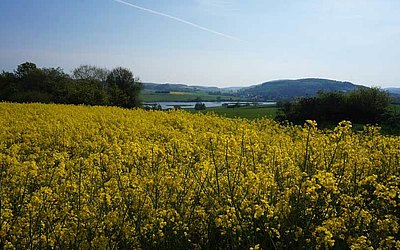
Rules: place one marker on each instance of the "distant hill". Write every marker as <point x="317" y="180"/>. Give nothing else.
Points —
<point x="395" y="93"/>
<point x="272" y="90"/>
<point x="393" y="90"/>
<point x="288" y="89"/>
<point x="176" y="87"/>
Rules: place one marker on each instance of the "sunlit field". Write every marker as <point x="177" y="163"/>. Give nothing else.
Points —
<point x="107" y="178"/>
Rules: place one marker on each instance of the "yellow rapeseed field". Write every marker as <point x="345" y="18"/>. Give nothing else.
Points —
<point x="108" y="178"/>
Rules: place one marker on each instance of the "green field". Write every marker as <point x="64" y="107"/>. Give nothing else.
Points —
<point x="250" y="113"/>
<point x="151" y="96"/>
<point x="396" y="107"/>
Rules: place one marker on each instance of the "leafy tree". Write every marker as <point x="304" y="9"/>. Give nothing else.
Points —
<point x="368" y="104"/>
<point x="331" y="107"/>
<point x="364" y="105"/>
<point x="87" y="85"/>
<point x="85" y="92"/>
<point x="8" y="86"/>
<point x="199" y="106"/>
<point x="91" y="73"/>
<point x="26" y="69"/>
<point x="54" y="83"/>
<point x="123" y="88"/>
<point x="299" y="110"/>
<point x="30" y="77"/>
<point x="39" y="84"/>
<point x="26" y="84"/>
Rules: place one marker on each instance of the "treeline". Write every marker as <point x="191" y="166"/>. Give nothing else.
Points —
<point x="360" y="106"/>
<point x="87" y="84"/>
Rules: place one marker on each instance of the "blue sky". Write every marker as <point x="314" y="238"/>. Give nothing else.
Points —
<point x="353" y="40"/>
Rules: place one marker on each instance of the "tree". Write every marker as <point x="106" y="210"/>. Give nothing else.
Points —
<point x="54" y="82"/>
<point x="91" y="73"/>
<point x="123" y="88"/>
<point x="368" y="104"/>
<point x="25" y="69"/>
<point x="363" y="105"/>
<point x="8" y="87"/>
<point x="200" y="106"/>
<point x="331" y="106"/>
<point x="30" y="77"/>
<point x="87" y="85"/>
<point x="85" y="92"/>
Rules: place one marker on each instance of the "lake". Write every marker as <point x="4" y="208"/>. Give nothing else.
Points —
<point x="190" y="105"/>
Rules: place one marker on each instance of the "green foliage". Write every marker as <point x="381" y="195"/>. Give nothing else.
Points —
<point x="391" y="120"/>
<point x="8" y="86"/>
<point x="29" y="77"/>
<point x="89" y="72"/>
<point x="88" y="85"/>
<point x="86" y="92"/>
<point x="200" y="106"/>
<point x="123" y="88"/>
<point x="368" y="104"/>
<point x="363" y="105"/>
<point x="26" y="70"/>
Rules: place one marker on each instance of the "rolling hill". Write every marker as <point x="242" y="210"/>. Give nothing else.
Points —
<point x="177" y="87"/>
<point x="288" y="89"/>
<point x="271" y="90"/>
<point x="155" y="92"/>
<point x="393" y="90"/>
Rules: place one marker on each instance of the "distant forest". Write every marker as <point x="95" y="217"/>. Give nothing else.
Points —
<point x="87" y="84"/>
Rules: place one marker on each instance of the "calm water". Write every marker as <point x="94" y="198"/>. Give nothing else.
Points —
<point x="190" y="105"/>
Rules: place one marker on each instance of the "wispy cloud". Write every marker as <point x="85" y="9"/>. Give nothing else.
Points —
<point x="179" y="20"/>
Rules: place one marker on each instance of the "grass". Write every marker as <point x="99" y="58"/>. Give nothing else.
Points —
<point x="396" y="107"/>
<point x="250" y="113"/>
<point x="151" y="96"/>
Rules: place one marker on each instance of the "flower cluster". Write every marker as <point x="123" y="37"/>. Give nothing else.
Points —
<point x="103" y="177"/>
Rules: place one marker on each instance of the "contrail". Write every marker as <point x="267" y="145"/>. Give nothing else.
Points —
<point x="179" y="20"/>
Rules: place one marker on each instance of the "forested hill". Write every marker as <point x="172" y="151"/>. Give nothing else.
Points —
<point x="171" y="87"/>
<point x="393" y="90"/>
<point x="288" y="89"/>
